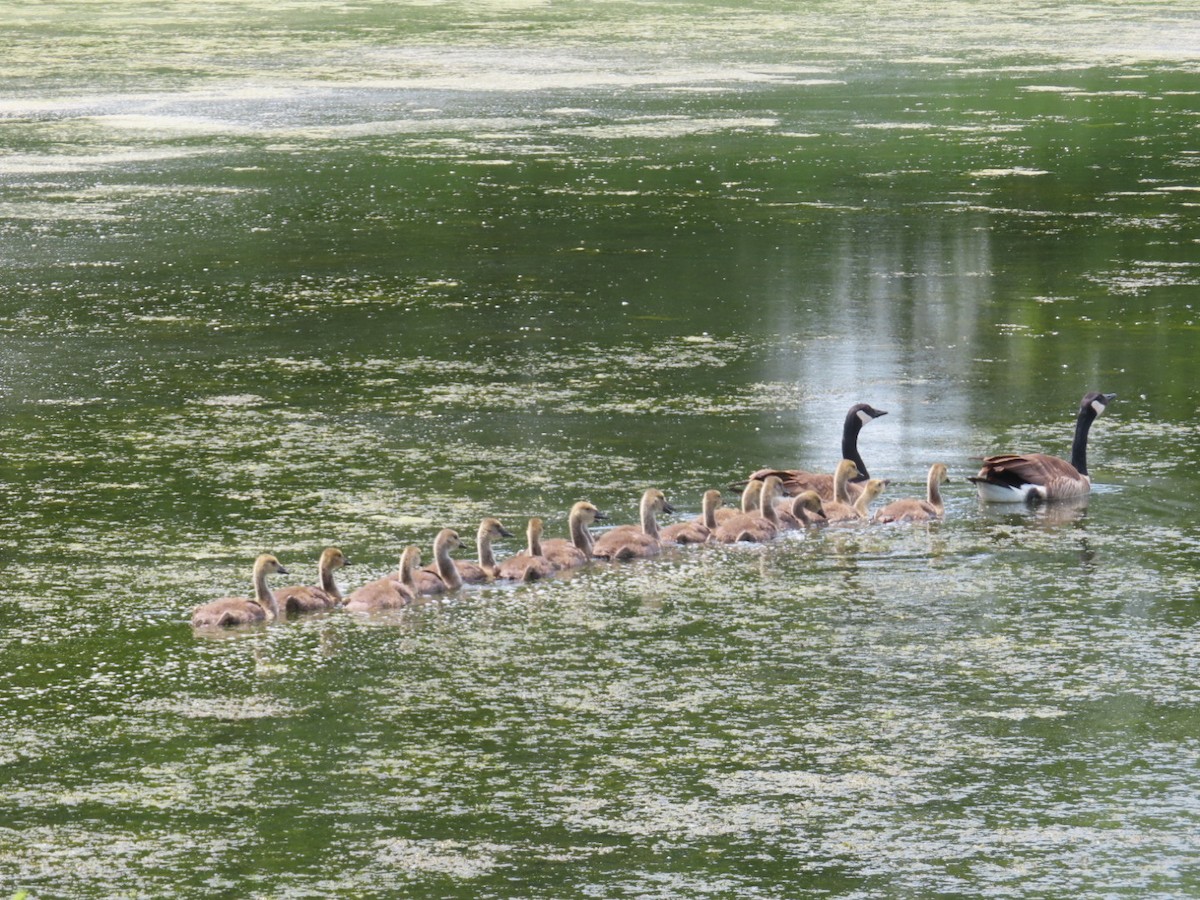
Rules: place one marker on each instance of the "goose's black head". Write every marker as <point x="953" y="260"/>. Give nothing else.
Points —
<point x="1096" y="402"/>
<point x="865" y="412"/>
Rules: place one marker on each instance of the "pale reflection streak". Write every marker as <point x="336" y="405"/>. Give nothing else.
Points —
<point x="888" y="319"/>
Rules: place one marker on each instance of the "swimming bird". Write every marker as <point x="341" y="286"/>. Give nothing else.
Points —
<point x="389" y="592"/>
<point x="484" y="570"/>
<point x="759" y="526"/>
<point x="698" y="530"/>
<point x="914" y="510"/>
<point x="748" y="504"/>
<point x="797" y="480"/>
<point x="530" y="564"/>
<point x="808" y="510"/>
<point x="300" y="598"/>
<point x="230" y="611"/>
<point x="445" y="576"/>
<point x="571" y="554"/>
<point x="1016" y="477"/>
<point x="859" y="511"/>
<point x="635" y="541"/>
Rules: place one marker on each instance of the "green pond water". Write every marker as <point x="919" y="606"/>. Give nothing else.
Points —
<point x="276" y="276"/>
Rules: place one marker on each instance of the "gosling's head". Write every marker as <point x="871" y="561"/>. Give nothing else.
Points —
<point x="808" y="501"/>
<point x="587" y="512"/>
<point x="656" y="500"/>
<point x="493" y="529"/>
<point x="847" y="469"/>
<point x="873" y="488"/>
<point x="333" y="558"/>
<point x="410" y="559"/>
<point x="535" y="528"/>
<point x="938" y="473"/>
<point x="269" y="565"/>
<point x="447" y="538"/>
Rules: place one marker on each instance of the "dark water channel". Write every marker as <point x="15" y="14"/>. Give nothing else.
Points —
<point x="279" y="277"/>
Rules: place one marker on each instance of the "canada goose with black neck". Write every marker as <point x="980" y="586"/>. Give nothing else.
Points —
<point x="1017" y="477"/>
<point x="228" y="612"/>
<point x="300" y="598"/>
<point x="636" y="541"/>
<point x="914" y="510"/>
<point x="794" y="481"/>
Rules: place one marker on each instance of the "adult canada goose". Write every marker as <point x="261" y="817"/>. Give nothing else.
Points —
<point x="914" y="510"/>
<point x="749" y="502"/>
<point x="530" y="564"/>
<point x="445" y="576"/>
<point x="300" y="598"/>
<point x="859" y="511"/>
<point x="484" y="570"/>
<point x="1013" y="477"/>
<point x="808" y="509"/>
<point x="699" y="530"/>
<point x="634" y="541"/>
<point x="754" y="526"/>
<point x="388" y="592"/>
<point x="230" y="611"/>
<point x="797" y="480"/>
<point x="578" y="550"/>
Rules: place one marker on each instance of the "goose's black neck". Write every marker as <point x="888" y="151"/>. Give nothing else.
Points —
<point x="1083" y="424"/>
<point x="851" y="428"/>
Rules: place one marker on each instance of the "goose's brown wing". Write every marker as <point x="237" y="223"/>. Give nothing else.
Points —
<point x="1017" y="469"/>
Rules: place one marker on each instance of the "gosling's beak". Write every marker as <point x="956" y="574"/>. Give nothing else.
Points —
<point x="667" y="507"/>
<point x="600" y="515"/>
<point x="504" y="532"/>
<point x="283" y="571"/>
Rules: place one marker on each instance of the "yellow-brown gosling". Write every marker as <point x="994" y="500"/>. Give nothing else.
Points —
<point x="749" y="502"/>
<point x="486" y="568"/>
<point x="578" y="550"/>
<point x="859" y="511"/>
<point x="1017" y="477"/>
<point x="915" y="510"/>
<point x="633" y="541"/>
<point x="300" y="598"/>
<point x="228" y="612"/>
<point x="698" y="530"/>
<point x="795" y="481"/>
<point x="843" y="475"/>
<point x="445" y="577"/>
<point x="755" y="526"/>
<point x="389" y="592"/>
<point x="808" y="509"/>
<point x="530" y="564"/>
